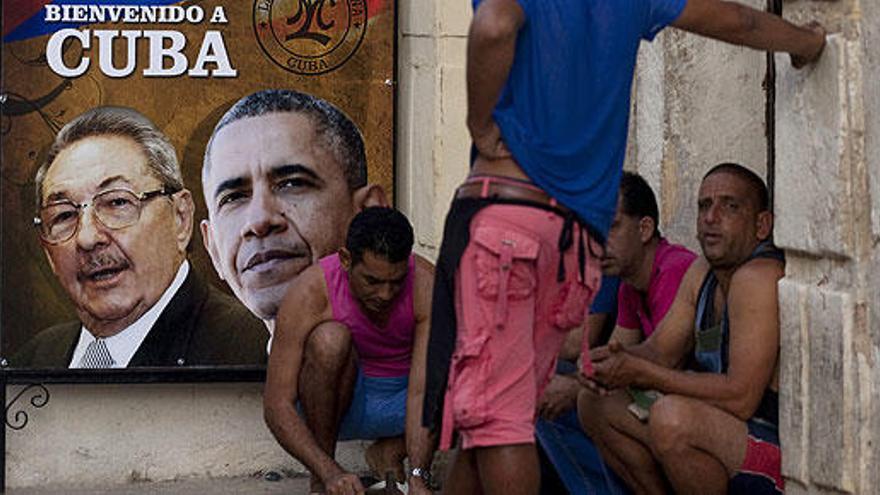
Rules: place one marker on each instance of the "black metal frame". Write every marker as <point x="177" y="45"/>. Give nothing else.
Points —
<point x="20" y="418"/>
<point x="190" y="374"/>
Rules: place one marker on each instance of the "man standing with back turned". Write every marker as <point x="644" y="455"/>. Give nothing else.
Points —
<point x="548" y="98"/>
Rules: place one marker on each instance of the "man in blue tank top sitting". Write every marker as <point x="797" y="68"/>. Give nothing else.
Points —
<point x="349" y="353"/>
<point x="713" y="429"/>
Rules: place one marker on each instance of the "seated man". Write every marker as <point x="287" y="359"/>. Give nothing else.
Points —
<point x="715" y="428"/>
<point x="650" y="269"/>
<point x="115" y="220"/>
<point x="350" y="347"/>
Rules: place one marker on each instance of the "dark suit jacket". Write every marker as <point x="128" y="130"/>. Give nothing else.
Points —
<point x="201" y="326"/>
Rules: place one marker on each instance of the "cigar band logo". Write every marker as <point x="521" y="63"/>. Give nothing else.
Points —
<point x="310" y="37"/>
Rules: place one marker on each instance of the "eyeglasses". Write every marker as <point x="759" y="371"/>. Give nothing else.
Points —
<point x="115" y="209"/>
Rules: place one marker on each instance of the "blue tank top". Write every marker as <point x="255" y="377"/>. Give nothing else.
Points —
<point x="712" y="340"/>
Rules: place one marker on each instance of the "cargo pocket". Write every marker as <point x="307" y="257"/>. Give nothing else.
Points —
<point x="572" y="302"/>
<point x="470" y="372"/>
<point x="505" y="265"/>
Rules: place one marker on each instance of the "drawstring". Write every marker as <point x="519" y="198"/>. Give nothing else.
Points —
<point x="565" y="242"/>
<point x="566" y="239"/>
<point x="582" y="259"/>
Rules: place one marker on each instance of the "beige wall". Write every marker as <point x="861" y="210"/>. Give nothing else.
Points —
<point x="114" y="434"/>
<point x="696" y="103"/>
<point x="433" y="149"/>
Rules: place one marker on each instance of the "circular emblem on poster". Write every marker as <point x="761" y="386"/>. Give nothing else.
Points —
<point x="310" y="37"/>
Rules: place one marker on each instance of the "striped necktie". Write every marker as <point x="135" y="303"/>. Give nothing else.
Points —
<point x="97" y="355"/>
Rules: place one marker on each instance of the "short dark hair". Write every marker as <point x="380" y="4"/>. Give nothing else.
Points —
<point x="383" y="231"/>
<point x="637" y="199"/>
<point x="755" y="182"/>
<point x="341" y="136"/>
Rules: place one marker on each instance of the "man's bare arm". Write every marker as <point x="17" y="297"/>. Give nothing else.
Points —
<point x="419" y="442"/>
<point x="617" y="365"/>
<point x="304" y="307"/>
<point x="594" y="324"/>
<point x="571" y="346"/>
<point x="741" y="25"/>
<point x="754" y="347"/>
<point x="673" y="337"/>
<point x="490" y="53"/>
<point x="626" y="336"/>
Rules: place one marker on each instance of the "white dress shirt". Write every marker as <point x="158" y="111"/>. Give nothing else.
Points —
<point x="124" y="344"/>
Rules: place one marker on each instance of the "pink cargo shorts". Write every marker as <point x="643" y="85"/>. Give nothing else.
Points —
<point x="513" y="315"/>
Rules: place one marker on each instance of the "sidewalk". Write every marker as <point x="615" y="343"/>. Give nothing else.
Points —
<point x="298" y="485"/>
<point x="291" y="483"/>
<point x="219" y="486"/>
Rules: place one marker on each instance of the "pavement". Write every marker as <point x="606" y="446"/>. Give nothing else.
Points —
<point x="216" y="486"/>
<point x="271" y="483"/>
<point x="255" y="485"/>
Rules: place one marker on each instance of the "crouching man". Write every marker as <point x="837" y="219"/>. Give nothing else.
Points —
<point x="349" y="353"/>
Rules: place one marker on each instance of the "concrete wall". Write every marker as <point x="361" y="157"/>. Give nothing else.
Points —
<point x="115" y="434"/>
<point x="696" y="103"/>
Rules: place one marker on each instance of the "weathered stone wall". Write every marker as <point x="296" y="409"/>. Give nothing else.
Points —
<point x="827" y="127"/>
<point x="104" y="435"/>
<point x="869" y="347"/>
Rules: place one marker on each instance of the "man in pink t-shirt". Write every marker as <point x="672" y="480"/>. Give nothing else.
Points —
<point x="650" y="268"/>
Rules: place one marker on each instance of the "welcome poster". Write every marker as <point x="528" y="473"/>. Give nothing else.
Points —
<point x="182" y="65"/>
